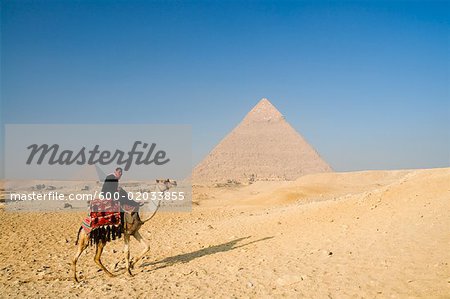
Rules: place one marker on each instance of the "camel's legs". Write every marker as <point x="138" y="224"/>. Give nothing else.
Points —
<point x="122" y="255"/>
<point x="137" y="235"/>
<point x="142" y="241"/>
<point x="98" y="254"/>
<point x="126" y="251"/>
<point x="121" y="258"/>
<point x="82" y="245"/>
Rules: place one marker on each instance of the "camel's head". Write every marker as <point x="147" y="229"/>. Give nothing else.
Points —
<point x="166" y="184"/>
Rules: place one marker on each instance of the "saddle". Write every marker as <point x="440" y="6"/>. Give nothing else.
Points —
<point x="104" y="222"/>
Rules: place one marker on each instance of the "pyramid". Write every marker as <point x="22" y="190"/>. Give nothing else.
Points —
<point x="262" y="147"/>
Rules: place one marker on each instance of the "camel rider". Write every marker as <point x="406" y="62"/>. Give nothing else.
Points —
<point x="111" y="188"/>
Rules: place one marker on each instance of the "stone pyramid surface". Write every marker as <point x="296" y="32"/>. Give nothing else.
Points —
<point x="262" y="147"/>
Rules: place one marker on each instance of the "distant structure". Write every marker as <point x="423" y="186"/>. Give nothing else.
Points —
<point x="262" y="147"/>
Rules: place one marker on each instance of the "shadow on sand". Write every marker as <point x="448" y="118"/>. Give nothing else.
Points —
<point x="187" y="257"/>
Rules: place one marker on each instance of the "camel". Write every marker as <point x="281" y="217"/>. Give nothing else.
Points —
<point x="132" y="224"/>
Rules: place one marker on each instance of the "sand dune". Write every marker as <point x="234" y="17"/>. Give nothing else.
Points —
<point x="359" y="234"/>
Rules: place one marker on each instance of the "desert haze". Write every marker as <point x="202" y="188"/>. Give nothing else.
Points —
<point x="357" y="234"/>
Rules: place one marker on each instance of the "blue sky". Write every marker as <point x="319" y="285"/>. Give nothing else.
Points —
<point x="366" y="83"/>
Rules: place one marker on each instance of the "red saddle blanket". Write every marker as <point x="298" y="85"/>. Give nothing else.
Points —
<point x="105" y="212"/>
<point x="103" y="221"/>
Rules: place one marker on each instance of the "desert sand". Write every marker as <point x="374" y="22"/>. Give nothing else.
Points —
<point x="372" y="234"/>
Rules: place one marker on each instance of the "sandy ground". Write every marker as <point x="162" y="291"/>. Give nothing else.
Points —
<point x="375" y="234"/>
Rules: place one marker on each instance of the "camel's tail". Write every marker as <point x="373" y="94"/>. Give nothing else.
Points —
<point x="78" y="235"/>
